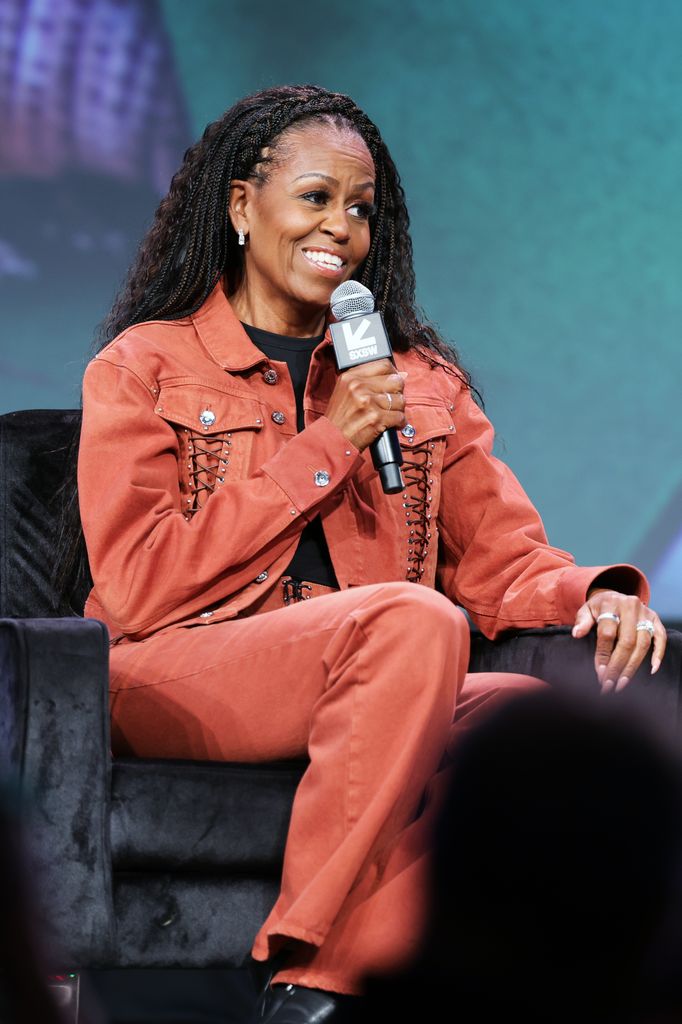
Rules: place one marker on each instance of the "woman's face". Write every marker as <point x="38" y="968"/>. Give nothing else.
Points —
<point x="307" y="227"/>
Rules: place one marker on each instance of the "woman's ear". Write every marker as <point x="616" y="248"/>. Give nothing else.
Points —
<point x="239" y="203"/>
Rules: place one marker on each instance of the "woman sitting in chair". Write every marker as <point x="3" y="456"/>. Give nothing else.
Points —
<point x="261" y="590"/>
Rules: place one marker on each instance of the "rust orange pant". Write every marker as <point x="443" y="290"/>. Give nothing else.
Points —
<point x="371" y="683"/>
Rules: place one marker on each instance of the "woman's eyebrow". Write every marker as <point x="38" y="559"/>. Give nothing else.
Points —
<point x="332" y="181"/>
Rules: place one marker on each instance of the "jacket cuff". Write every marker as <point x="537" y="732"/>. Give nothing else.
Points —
<point x="313" y="464"/>
<point x="576" y="582"/>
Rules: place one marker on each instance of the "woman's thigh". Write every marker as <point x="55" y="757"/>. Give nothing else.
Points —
<point x="245" y="689"/>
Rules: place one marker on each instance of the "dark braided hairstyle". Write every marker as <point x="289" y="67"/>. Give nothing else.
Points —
<point x="192" y="242"/>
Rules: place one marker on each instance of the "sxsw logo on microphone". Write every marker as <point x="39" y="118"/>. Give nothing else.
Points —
<point x="357" y="345"/>
<point x="360" y="339"/>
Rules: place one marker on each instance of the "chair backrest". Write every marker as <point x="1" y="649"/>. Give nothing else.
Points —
<point x="34" y="448"/>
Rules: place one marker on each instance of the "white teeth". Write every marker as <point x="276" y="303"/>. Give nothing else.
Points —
<point x="325" y="258"/>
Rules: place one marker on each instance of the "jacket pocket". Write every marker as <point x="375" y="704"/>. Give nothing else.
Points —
<point x="216" y="431"/>
<point x="422" y="441"/>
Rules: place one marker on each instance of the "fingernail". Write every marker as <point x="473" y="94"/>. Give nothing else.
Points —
<point x="403" y="373"/>
<point x="607" y="686"/>
<point x="623" y="681"/>
<point x="601" y="672"/>
<point x="655" y="664"/>
<point x="574" y="631"/>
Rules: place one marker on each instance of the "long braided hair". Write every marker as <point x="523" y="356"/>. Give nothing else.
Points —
<point x="192" y="242"/>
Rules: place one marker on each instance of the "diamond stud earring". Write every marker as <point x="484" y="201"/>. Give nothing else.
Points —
<point x="242" y="236"/>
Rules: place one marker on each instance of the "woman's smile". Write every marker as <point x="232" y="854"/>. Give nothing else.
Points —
<point x="325" y="261"/>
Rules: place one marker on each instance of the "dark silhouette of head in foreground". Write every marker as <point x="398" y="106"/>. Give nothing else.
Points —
<point x="555" y="886"/>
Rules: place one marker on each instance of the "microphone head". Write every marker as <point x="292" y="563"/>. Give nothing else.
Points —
<point x="351" y="299"/>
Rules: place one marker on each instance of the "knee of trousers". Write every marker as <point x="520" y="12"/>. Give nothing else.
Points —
<point x="429" y="635"/>
<point x="423" y="612"/>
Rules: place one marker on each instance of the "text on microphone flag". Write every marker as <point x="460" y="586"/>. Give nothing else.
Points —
<point x="358" y="345"/>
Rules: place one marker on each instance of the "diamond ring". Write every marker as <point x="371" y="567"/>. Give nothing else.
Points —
<point x="646" y="624"/>
<point x="609" y="615"/>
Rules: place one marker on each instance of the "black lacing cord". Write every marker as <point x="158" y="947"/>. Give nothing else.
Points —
<point x="416" y="469"/>
<point x="293" y="589"/>
<point x="197" y="469"/>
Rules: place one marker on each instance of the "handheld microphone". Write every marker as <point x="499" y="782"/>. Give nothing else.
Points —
<point x="360" y="337"/>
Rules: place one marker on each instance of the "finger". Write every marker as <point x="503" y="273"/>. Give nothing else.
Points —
<point x="625" y="645"/>
<point x="393" y="401"/>
<point x="375" y="368"/>
<point x="584" y="621"/>
<point x="642" y="645"/>
<point x="392" y="382"/>
<point x="660" y="643"/>
<point x="607" y="634"/>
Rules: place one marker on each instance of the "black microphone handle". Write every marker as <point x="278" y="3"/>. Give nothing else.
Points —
<point x="387" y="458"/>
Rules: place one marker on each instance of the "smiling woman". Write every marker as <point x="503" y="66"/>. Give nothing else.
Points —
<point x="225" y="480"/>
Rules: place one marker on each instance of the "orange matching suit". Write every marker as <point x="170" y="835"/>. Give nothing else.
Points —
<point x="193" y="497"/>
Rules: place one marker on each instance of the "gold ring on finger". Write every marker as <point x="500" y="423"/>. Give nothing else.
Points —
<point x="646" y="624"/>
<point x="609" y="615"/>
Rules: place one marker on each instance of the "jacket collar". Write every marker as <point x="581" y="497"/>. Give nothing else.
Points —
<point x="222" y="334"/>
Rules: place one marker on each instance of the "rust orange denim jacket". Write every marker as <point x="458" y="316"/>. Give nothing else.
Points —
<point x="195" y="486"/>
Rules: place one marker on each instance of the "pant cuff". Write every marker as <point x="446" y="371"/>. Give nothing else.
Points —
<point x="267" y="945"/>
<point x="318" y="979"/>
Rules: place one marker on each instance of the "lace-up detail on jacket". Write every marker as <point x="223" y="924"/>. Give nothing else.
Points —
<point x="207" y="460"/>
<point x="417" y="465"/>
<point x="293" y="588"/>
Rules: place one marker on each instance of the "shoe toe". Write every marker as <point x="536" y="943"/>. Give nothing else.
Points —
<point x="294" y="1004"/>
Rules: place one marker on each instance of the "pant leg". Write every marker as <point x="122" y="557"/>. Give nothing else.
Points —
<point x="381" y="922"/>
<point x="365" y="681"/>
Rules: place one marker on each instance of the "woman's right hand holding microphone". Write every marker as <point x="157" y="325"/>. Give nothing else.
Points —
<point x="367" y="400"/>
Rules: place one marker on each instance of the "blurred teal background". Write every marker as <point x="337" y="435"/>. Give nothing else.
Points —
<point x="540" y="147"/>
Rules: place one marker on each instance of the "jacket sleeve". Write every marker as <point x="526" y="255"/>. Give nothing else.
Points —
<point x="147" y="559"/>
<point x="495" y="559"/>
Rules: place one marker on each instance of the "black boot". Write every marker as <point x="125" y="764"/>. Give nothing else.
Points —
<point x="262" y="972"/>
<point x="295" y="1004"/>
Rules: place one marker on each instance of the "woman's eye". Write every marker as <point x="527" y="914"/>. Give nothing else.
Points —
<point x="316" y="197"/>
<point x="364" y="210"/>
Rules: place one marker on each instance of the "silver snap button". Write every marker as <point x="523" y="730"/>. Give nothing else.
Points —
<point x="408" y="431"/>
<point x="261" y="577"/>
<point x="278" y="417"/>
<point x="271" y="376"/>
<point x="207" y="418"/>
<point x="322" y="478"/>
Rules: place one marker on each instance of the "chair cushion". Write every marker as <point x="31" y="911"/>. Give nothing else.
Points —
<point x="201" y="816"/>
<point x="169" y="920"/>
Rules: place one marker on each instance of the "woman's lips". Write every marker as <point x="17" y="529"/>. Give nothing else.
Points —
<point x="327" y="269"/>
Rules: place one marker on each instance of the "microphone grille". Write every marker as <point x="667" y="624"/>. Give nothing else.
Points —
<point x="351" y="299"/>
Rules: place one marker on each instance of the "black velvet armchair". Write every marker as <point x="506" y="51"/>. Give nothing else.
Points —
<point x="151" y="863"/>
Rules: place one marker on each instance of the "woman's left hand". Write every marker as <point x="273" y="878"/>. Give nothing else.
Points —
<point x="621" y="647"/>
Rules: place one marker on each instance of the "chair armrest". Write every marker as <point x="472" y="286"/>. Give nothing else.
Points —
<point x="54" y="739"/>
<point x="562" y="660"/>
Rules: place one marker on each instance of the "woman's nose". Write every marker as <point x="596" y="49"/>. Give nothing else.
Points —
<point x="336" y="223"/>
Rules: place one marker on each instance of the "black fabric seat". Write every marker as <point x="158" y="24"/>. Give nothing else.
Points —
<point x="151" y="863"/>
